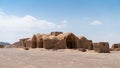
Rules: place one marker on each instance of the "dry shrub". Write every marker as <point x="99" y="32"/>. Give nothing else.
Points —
<point x="82" y="49"/>
<point x="26" y="48"/>
<point x="54" y="49"/>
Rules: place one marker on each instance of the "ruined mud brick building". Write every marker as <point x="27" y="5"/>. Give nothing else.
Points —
<point x="60" y="40"/>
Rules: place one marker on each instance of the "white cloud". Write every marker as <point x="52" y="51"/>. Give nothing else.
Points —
<point x="13" y="27"/>
<point x="65" y="21"/>
<point x="26" y="21"/>
<point x="96" y="22"/>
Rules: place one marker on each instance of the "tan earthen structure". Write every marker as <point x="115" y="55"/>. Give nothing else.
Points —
<point x="1" y="46"/>
<point x="22" y="42"/>
<point x="56" y="33"/>
<point x="101" y="47"/>
<point x="85" y="43"/>
<point x="28" y="43"/>
<point x="90" y="46"/>
<point x="116" y="47"/>
<point x="67" y="40"/>
<point x="60" y="40"/>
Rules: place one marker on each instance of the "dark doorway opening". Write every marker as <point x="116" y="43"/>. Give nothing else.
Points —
<point x="71" y="42"/>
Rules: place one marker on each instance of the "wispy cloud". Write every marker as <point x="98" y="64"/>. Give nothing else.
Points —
<point x="96" y="22"/>
<point x="12" y="25"/>
<point x="65" y="21"/>
<point x="27" y="21"/>
<point x="91" y="21"/>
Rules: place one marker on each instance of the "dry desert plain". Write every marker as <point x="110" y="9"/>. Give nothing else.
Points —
<point x="63" y="58"/>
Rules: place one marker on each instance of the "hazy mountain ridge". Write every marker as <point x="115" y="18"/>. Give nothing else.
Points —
<point x="4" y="43"/>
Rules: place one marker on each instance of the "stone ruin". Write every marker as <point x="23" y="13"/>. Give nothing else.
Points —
<point x="60" y="40"/>
<point x="101" y="47"/>
<point x="1" y="46"/>
<point x="116" y="47"/>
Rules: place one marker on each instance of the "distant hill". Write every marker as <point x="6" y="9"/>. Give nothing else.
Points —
<point x="4" y="43"/>
<point x="14" y="45"/>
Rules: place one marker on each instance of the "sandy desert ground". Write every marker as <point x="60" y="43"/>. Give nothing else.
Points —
<point x="64" y="58"/>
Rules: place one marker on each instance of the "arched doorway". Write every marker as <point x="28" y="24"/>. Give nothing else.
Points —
<point x="34" y="42"/>
<point x="71" y="42"/>
<point x="40" y="43"/>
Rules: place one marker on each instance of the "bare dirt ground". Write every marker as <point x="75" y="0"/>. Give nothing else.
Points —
<point x="65" y="58"/>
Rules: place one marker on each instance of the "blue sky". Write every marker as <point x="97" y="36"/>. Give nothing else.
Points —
<point x="98" y="20"/>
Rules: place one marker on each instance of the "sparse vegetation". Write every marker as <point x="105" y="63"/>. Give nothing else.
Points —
<point x="26" y="48"/>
